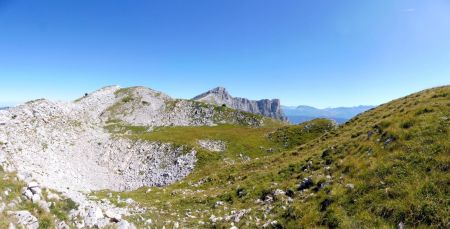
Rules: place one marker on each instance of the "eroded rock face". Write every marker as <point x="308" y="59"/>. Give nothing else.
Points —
<point x="266" y="107"/>
<point x="49" y="143"/>
<point x="65" y="147"/>
<point x="148" y="163"/>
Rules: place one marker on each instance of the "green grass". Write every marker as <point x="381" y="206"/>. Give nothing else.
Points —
<point x="295" y="135"/>
<point x="396" y="156"/>
<point x="213" y="171"/>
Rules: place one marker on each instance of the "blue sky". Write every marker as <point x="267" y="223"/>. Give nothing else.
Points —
<point x="314" y="52"/>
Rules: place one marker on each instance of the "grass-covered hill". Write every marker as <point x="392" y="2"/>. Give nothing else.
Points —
<point x="386" y="167"/>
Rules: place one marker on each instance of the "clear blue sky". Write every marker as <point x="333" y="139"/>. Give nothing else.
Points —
<point x="314" y="52"/>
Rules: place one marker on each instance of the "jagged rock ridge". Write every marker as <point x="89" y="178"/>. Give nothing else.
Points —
<point x="266" y="107"/>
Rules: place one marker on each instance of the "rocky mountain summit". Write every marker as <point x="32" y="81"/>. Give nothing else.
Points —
<point x="266" y="107"/>
<point x="74" y="147"/>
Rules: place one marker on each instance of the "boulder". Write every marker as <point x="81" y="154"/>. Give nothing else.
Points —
<point x="2" y="207"/>
<point x="123" y="224"/>
<point x="305" y="184"/>
<point x="94" y="214"/>
<point x="33" y="184"/>
<point x="350" y="186"/>
<point x="36" y="190"/>
<point x="28" y="194"/>
<point x="279" y="192"/>
<point x="35" y="198"/>
<point x="113" y="216"/>
<point x="44" y="206"/>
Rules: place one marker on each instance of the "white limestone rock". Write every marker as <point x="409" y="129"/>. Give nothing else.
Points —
<point x="25" y="219"/>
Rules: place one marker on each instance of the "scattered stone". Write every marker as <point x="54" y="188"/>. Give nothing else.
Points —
<point x="213" y="145"/>
<point x="350" y="186"/>
<point x="93" y="216"/>
<point x="53" y="196"/>
<point x="28" y="194"/>
<point x="129" y="201"/>
<point x="123" y="224"/>
<point x="219" y="203"/>
<point x="241" y="192"/>
<point x="325" y="204"/>
<point x="215" y="219"/>
<point x="62" y="225"/>
<point x="290" y="193"/>
<point x="113" y="216"/>
<point x="44" y="206"/>
<point x="7" y="192"/>
<point x="279" y="192"/>
<point x="369" y="134"/>
<point x="306" y="184"/>
<point x="33" y="184"/>
<point x="26" y="219"/>
<point x="35" y="198"/>
<point x="2" y="207"/>
<point x="149" y="222"/>
<point x="389" y="140"/>
<point x="236" y="216"/>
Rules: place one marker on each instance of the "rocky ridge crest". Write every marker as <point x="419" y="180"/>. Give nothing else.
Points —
<point x="266" y="107"/>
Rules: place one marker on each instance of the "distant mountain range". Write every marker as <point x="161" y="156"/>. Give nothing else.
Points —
<point x="3" y="108"/>
<point x="339" y="114"/>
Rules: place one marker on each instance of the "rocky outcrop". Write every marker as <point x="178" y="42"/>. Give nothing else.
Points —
<point x="147" y="107"/>
<point x="266" y="107"/>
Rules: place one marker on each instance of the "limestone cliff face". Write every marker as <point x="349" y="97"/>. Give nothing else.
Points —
<point x="266" y="107"/>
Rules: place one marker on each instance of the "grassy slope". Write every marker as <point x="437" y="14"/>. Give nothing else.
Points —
<point x="399" y="172"/>
<point x="58" y="211"/>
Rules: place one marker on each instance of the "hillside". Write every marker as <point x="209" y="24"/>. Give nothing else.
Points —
<point x="71" y="148"/>
<point x="135" y="156"/>
<point x="387" y="167"/>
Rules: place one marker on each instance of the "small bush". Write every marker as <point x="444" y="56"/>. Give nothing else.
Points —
<point x="406" y="125"/>
<point x="330" y="220"/>
<point x="45" y="223"/>
<point x="127" y="99"/>
<point x="424" y="111"/>
<point x="226" y="198"/>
